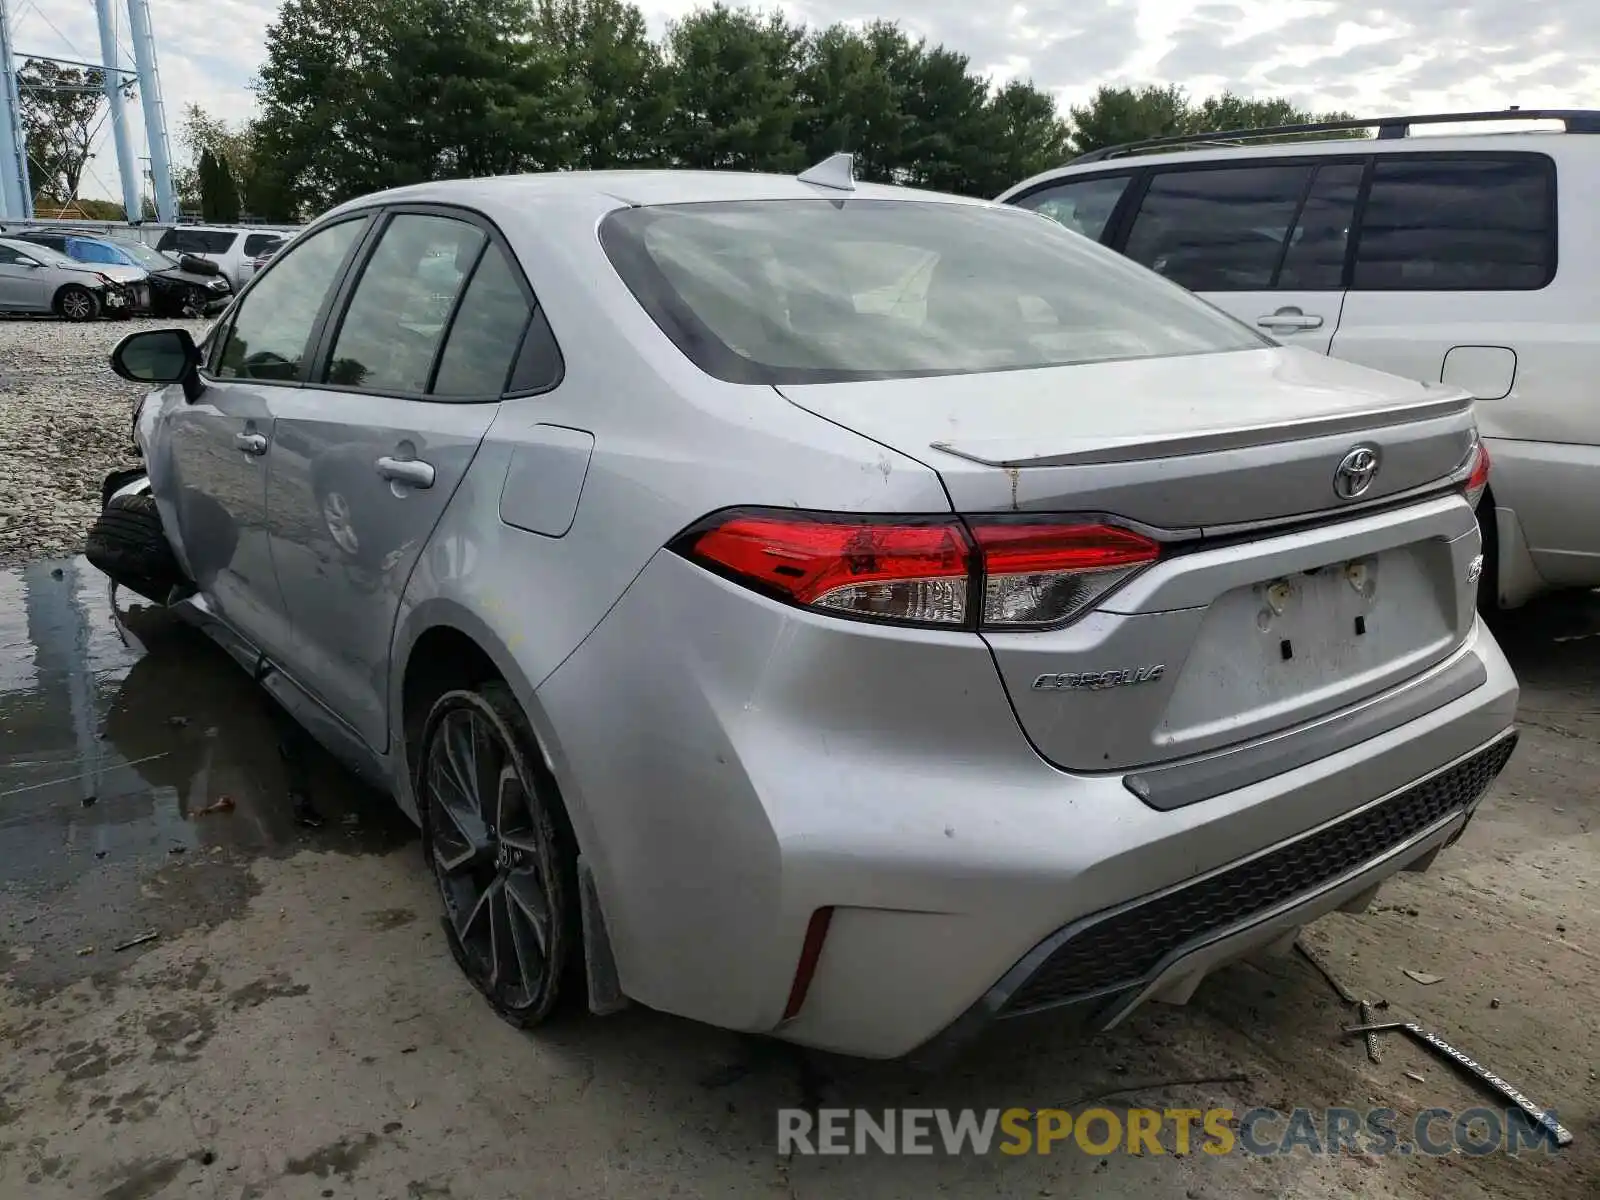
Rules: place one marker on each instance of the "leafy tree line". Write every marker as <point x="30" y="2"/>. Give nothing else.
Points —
<point x="360" y="95"/>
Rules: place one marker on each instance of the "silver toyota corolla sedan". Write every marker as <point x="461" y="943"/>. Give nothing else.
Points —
<point x="828" y="610"/>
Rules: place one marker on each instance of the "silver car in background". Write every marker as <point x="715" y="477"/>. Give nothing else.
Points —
<point x="37" y="279"/>
<point x="835" y="611"/>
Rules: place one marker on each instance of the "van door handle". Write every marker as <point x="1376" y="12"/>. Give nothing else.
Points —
<point x="1289" y="318"/>
<point x="251" y="443"/>
<point x="412" y="472"/>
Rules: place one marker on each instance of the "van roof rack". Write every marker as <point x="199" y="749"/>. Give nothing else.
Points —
<point x="1575" y="120"/>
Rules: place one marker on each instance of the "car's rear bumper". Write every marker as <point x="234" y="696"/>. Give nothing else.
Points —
<point x="733" y="766"/>
<point x="1161" y="946"/>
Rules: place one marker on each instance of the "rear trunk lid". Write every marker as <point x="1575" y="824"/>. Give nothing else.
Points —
<point x="1277" y="598"/>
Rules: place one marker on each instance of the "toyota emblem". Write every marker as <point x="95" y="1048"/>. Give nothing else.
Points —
<point x="1356" y="472"/>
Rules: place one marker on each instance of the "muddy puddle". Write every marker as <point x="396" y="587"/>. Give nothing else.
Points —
<point x="140" y="770"/>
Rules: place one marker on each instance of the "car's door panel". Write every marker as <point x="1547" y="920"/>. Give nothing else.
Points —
<point x="219" y="444"/>
<point x="22" y="283"/>
<point x="346" y="532"/>
<point x="1265" y="242"/>
<point x="365" y="462"/>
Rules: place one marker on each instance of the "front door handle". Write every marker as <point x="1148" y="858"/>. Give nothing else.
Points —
<point x="1289" y="318"/>
<point x="412" y="472"/>
<point x="251" y="443"/>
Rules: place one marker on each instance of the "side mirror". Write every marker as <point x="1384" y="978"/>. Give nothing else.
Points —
<point x="157" y="356"/>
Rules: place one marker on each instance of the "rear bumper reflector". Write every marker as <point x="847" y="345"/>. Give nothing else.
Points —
<point x="810" y="954"/>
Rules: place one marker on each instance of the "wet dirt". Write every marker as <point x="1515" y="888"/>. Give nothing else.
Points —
<point x="119" y="728"/>
<point x="299" y="1030"/>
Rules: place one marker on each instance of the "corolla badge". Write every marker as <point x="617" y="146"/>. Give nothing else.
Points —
<point x="1096" y="681"/>
<point x="1355" y="472"/>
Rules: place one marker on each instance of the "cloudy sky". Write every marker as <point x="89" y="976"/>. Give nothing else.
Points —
<point x="1414" y="55"/>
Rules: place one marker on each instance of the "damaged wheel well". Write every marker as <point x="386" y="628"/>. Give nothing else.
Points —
<point x="442" y="659"/>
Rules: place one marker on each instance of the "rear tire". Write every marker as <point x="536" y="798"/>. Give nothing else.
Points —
<point x="76" y="304"/>
<point x="502" y="854"/>
<point x="129" y="544"/>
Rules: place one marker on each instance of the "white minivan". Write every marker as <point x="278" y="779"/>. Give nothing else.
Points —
<point x="1471" y="258"/>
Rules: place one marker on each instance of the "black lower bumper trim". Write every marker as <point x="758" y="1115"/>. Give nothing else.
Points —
<point x="1110" y="955"/>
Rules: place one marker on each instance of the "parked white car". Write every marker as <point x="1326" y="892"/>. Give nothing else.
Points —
<point x="238" y="253"/>
<point x="1470" y="260"/>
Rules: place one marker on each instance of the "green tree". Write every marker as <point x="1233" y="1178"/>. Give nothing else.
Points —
<point x="733" y="80"/>
<point x="210" y="183"/>
<point x="1229" y="111"/>
<point x="59" y="112"/>
<point x="1117" y="115"/>
<point x="1123" y="114"/>
<point x="361" y="95"/>
<point x="848" y="102"/>
<point x="227" y="203"/>
<point x="1028" y="134"/>
<point x="234" y="143"/>
<point x="613" y="79"/>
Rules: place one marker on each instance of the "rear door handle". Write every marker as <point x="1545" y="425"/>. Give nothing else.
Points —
<point x="251" y="443"/>
<point x="412" y="472"/>
<point x="1289" y="318"/>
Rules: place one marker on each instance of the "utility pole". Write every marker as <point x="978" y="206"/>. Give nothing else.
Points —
<point x="16" y="195"/>
<point x="119" y="111"/>
<point x="155" y="112"/>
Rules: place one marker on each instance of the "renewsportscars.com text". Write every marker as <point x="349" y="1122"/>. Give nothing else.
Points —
<point x="1262" y="1132"/>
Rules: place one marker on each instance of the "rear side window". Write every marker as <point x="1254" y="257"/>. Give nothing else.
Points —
<point x="1221" y="230"/>
<point x="197" y="241"/>
<point x="1458" y="223"/>
<point x="820" y="291"/>
<point x="268" y="339"/>
<point x="486" y="333"/>
<point x="1082" y="205"/>
<point x="260" y="243"/>
<point x="396" y="318"/>
<point x="1314" y="260"/>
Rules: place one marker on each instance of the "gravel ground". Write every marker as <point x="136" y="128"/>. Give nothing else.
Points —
<point x="64" y="420"/>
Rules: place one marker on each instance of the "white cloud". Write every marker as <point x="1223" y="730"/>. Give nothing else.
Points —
<point x="1407" y="55"/>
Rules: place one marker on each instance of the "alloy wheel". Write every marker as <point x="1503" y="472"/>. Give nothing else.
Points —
<point x="336" y="515"/>
<point x="493" y="854"/>
<point x="77" y="306"/>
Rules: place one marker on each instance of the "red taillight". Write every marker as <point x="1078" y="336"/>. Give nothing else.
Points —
<point x="1478" y="480"/>
<point x="891" y="571"/>
<point x="1029" y="573"/>
<point x="1037" y="575"/>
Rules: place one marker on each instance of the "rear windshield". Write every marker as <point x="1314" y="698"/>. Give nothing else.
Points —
<point x="819" y="291"/>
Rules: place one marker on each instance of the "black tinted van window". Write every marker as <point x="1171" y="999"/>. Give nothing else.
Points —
<point x="1082" y="205"/>
<point x="1314" y="261"/>
<point x="197" y="241"/>
<point x="1219" y="230"/>
<point x="1458" y="223"/>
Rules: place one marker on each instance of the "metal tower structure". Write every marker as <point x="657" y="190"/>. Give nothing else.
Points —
<point x="132" y="205"/>
<point x="155" y="109"/>
<point x="16" y="193"/>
